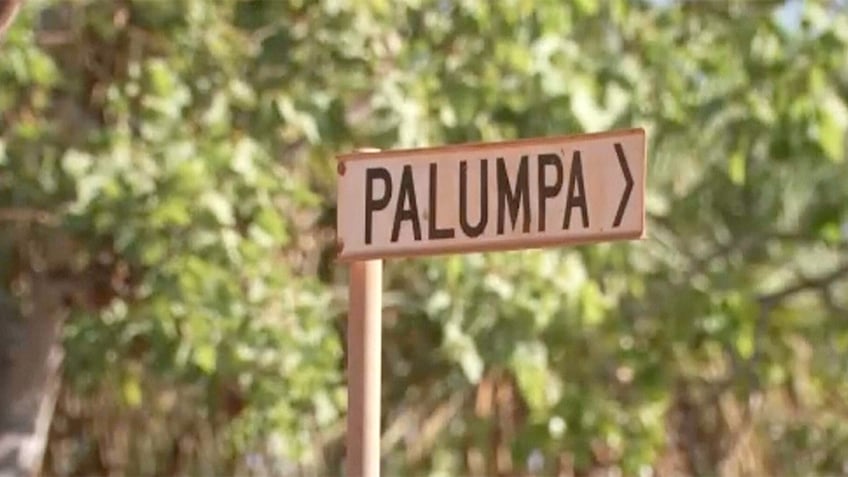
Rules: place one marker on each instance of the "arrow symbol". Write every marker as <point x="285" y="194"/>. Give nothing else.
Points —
<point x="622" y="161"/>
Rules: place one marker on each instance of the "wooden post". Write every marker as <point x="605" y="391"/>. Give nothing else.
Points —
<point x="364" y="359"/>
<point x="364" y="346"/>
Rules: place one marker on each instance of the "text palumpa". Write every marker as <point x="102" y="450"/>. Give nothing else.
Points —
<point x="512" y="195"/>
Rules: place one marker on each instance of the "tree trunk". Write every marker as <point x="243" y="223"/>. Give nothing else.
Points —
<point x="30" y="357"/>
<point x="30" y="362"/>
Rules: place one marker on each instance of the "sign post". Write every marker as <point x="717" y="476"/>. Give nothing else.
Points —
<point x="364" y="343"/>
<point x="511" y="195"/>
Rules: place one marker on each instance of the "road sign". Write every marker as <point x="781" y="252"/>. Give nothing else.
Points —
<point x="528" y="193"/>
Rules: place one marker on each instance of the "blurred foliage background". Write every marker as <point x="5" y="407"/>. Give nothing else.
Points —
<point x="173" y="162"/>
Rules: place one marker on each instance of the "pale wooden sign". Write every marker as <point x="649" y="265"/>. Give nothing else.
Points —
<point x="528" y="193"/>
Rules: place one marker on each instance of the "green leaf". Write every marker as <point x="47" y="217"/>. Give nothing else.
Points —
<point x="831" y="233"/>
<point x="131" y="390"/>
<point x="205" y="357"/>
<point x="271" y="222"/>
<point x="243" y="161"/>
<point x="76" y="163"/>
<point x="737" y="166"/>
<point x="588" y="7"/>
<point x="460" y="347"/>
<point x="161" y="77"/>
<point x="302" y="122"/>
<point x="219" y="206"/>
<point x="833" y="125"/>
<point x="529" y="362"/>
<point x="745" y="342"/>
<point x="242" y="93"/>
<point x="594" y="304"/>
<point x="42" y="69"/>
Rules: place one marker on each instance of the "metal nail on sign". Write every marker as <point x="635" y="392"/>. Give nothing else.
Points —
<point x="528" y="193"/>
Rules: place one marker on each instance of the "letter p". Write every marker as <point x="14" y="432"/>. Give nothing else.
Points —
<point x="372" y="203"/>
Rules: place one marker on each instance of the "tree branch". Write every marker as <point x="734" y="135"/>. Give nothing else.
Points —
<point x="25" y="214"/>
<point x="745" y="244"/>
<point x="8" y="10"/>
<point x="831" y="303"/>
<point x="771" y="299"/>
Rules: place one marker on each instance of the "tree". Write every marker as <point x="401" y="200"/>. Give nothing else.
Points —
<point x="28" y="361"/>
<point x="166" y="177"/>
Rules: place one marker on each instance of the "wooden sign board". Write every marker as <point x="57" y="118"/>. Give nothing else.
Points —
<point x="511" y="195"/>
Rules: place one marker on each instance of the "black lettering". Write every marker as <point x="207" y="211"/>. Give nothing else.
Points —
<point x="434" y="231"/>
<point x="373" y="204"/>
<point x="403" y="212"/>
<point x="547" y="191"/>
<point x="468" y="229"/>
<point x="576" y="193"/>
<point x="519" y="197"/>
